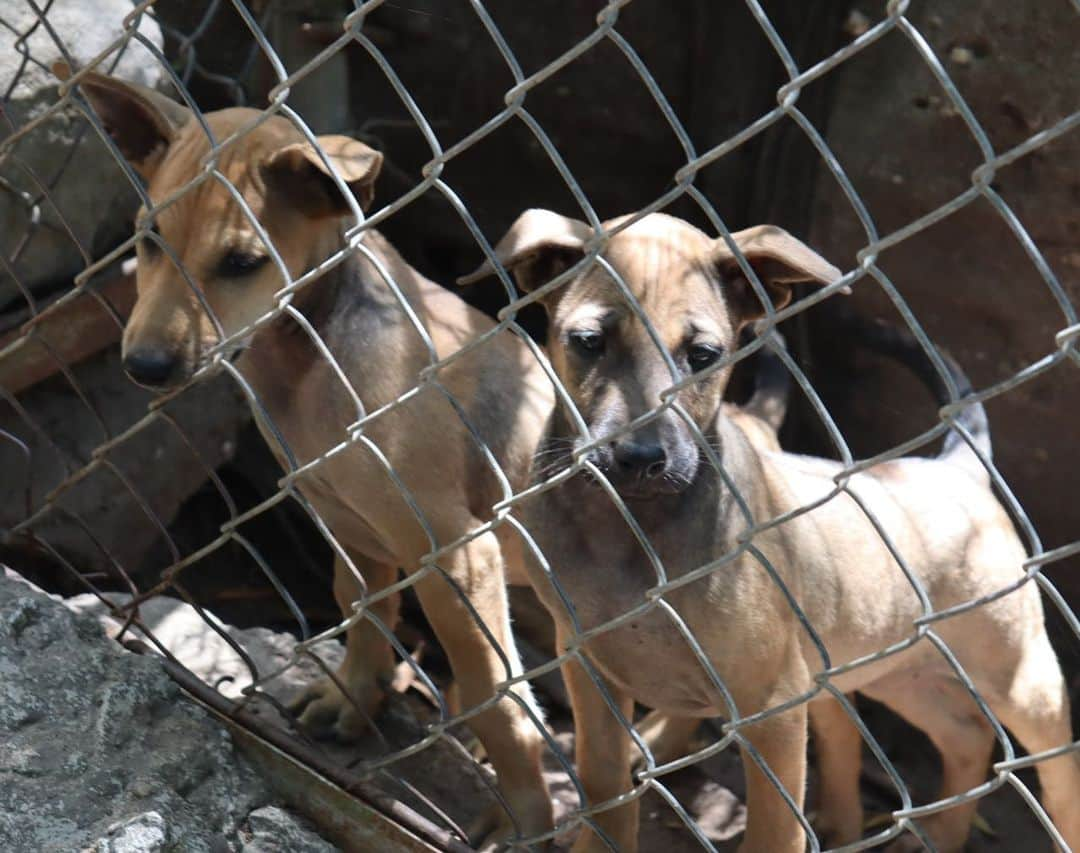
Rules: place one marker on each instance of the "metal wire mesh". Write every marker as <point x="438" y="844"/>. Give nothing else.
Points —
<point x="183" y="57"/>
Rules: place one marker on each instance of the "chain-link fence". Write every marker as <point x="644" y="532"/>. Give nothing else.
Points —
<point x="685" y="567"/>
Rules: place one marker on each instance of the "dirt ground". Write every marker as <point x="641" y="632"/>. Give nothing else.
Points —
<point x="713" y="794"/>
<point x="712" y="791"/>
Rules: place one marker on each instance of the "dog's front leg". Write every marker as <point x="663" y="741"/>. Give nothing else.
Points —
<point x="771" y="825"/>
<point x="838" y="745"/>
<point x="602" y="750"/>
<point x="369" y="661"/>
<point x="511" y="737"/>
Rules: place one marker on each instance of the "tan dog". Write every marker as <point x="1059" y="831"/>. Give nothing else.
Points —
<point x="500" y="387"/>
<point x="940" y="514"/>
<point x="668" y="736"/>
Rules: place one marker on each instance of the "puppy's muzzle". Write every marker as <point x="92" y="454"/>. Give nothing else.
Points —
<point x="637" y="460"/>
<point x="637" y="469"/>
<point x="152" y="368"/>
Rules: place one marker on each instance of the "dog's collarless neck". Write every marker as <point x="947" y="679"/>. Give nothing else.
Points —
<point x="336" y="292"/>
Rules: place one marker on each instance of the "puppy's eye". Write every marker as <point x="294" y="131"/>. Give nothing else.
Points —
<point x="238" y="263"/>
<point x="587" y="342"/>
<point x="700" y="356"/>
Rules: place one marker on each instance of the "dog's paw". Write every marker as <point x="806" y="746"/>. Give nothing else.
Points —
<point x="945" y="835"/>
<point x="494" y="828"/>
<point x="327" y="713"/>
<point x="589" y="842"/>
<point x="837" y="830"/>
<point x="491" y="829"/>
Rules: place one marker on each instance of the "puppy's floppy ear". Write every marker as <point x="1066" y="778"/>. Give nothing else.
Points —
<point x="539" y="245"/>
<point x="299" y="172"/>
<point x="142" y="122"/>
<point x="779" y="260"/>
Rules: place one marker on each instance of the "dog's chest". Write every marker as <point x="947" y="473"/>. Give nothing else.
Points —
<point x="608" y="577"/>
<point x="321" y="488"/>
<point x="650" y="659"/>
<point x="348" y="525"/>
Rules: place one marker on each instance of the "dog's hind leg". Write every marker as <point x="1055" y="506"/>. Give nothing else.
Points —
<point x="937" y="703"/>
<point x="369" y="660"/>
<point x="512" y="740"/>
<point x="838" y="746"/>
<point x="1035" y="708"/>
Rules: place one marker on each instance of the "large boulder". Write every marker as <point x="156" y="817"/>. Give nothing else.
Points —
<point x="100" y="751"/>
<point x="442" y="773"/>
<point x="189" y="638"/>
<point x="64" y="195"/>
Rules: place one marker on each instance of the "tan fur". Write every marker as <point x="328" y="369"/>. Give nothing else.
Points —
<point x="499" y="386"/>
<point x="941" y="517"/>
<point x="670" y="737"/>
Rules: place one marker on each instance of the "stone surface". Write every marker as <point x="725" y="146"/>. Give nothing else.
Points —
<point x="90" y="201"/>
<point x="100" y="751"/>
<point x="441" y="773"/>
<point x="274" y="830"/>
<point x="144" y="833"/>
<point x="204" y="651"/>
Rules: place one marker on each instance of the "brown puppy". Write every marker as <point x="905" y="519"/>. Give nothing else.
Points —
<point x="940" y="514"/>
<point x="668" y="736"/>
<point x="499" y="386"/>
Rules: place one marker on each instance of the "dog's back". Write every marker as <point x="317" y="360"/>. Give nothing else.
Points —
<point x="932" y="512"/>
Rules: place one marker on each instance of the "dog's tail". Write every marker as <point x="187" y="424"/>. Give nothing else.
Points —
<point x="772" y="385"/>
<point x="898" y="343"/>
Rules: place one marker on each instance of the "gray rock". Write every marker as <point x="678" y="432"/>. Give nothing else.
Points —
<point x="100" y="751"/>
<point x="178" y="627"/>
<point x="144" y="833"/>
<point x="274" y="830"/>
<point x="87" y="191"/>
<point x="443" y="772"/>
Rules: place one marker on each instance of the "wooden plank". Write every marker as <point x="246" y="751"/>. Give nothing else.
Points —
<point x="66" y="332"/>
<point x="351" y="812"/>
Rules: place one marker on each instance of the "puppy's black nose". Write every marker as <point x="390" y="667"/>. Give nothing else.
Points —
<point x="641" y="457"/>
<point x="152" y="367"/>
